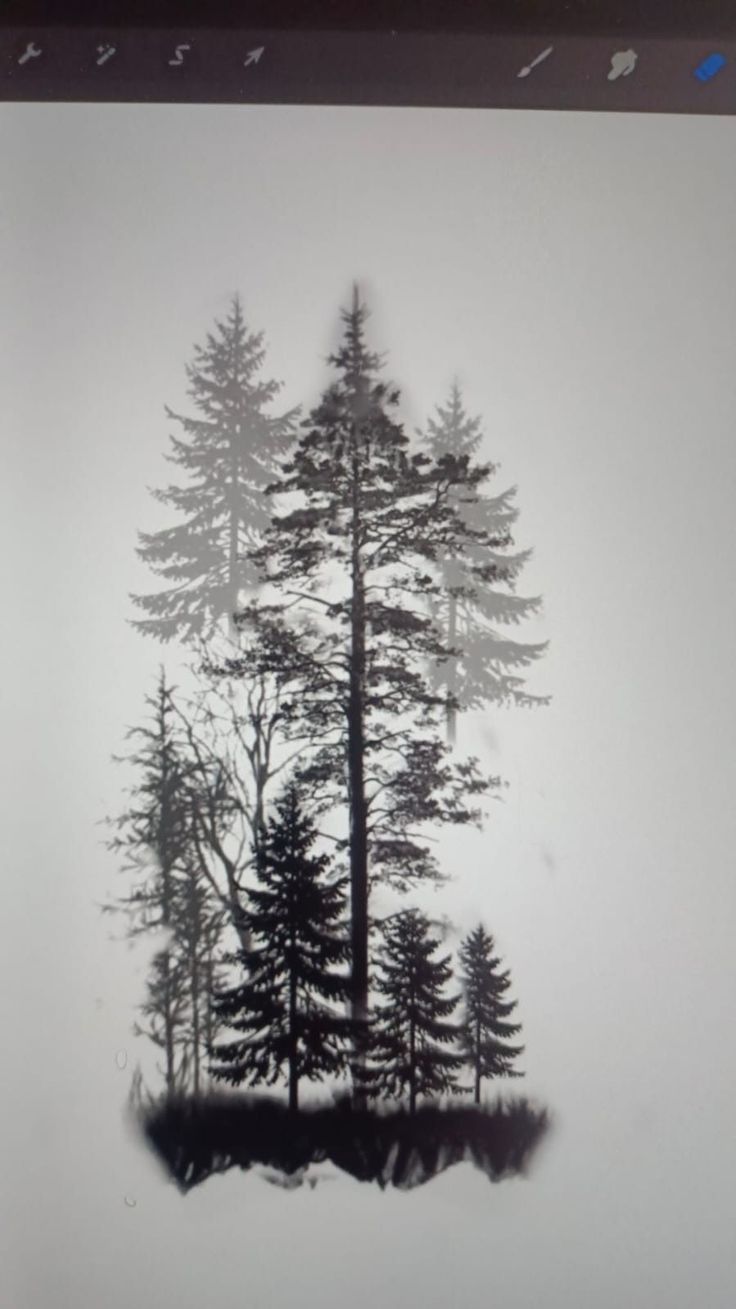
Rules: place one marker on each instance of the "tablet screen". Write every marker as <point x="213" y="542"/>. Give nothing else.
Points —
<point x="369" y="538"/>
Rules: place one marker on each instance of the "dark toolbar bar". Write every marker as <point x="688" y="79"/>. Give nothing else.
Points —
<point x="463" y="70"/>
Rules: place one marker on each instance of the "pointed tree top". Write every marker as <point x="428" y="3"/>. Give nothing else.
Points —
<point x="480" y="936"/>
<point x="478" y="944"/>
<point x="352" y="357"/>
<point x="452" y="430"/>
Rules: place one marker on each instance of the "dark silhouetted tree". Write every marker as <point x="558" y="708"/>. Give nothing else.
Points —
<point x="352" y="562"/>
<point x="486" y="1029"/>
<point x="154" y="834"/>
<point x="478" y="597"/>
<point x="285" y="1007"/>
<point x="164" y="1017"/>
<point x="414" y="1045"/>
<point x="197" y="939"/>
<point x="227" y="453"/>
<point x="169" y="895"/>
<point x="237" y="728"/>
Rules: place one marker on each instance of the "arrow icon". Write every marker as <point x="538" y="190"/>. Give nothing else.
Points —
<point x="254" y="55"/>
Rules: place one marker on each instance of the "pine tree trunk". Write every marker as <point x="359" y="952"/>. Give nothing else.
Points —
<point x="209" y="1031"/>
<point x="356" y="774"/>
<point x="233" y="589"/>
<point x="196" y="999"/>
<point x="451" y="712"/>
<point x="293" y="1067"/>
<point x="168" y="1028"/>
<point x="166" y="905"/>
<point x="259" y="807"/>
<point x="477" y="1061"/>
<point x="412" y="1068"/>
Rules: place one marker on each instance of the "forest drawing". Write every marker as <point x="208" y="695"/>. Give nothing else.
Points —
<point x="339" y="591"/>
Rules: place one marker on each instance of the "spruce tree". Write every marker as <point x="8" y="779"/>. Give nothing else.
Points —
<point x="486" y="1029"/>
<point x="478" y="597"/>
<point x="285" y="1006"/>
<point x="414" y="1046"/>
<point x="169" y="894"/>
<point x="227" y="454"/>
<point x="351" y="560"/>
<point x="197" y="936"/>
<point x="164" y="1017"/>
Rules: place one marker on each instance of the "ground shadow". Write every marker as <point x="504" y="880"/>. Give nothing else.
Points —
<point x="197" y="1137"/>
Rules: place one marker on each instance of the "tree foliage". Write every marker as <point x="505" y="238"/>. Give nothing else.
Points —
<point x="286" y="1005"/>
<point x="227" y="453"/>
<point x="414" y="1044"/>
<point x="168" y="896"/>
<point x="486" y="1030"/>
<point x="368" y="582"/>
<point x="478" y="602"/>
<point x="359" y="521"/>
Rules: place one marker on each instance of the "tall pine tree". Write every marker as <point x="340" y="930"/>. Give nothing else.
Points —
<point x="351" y="559"/>
<point x="227" y="454"/>
<point x="164" y="1016"/>
<point x="285" y="1007"/>
<point x="413" y="1043"/>
<point x="478" y="597"/>
<point x="486" y="1029"/>
<point x="198" y="933"/>
<point x="169" y="894"/>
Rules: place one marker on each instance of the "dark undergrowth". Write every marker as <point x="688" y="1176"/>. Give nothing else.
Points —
<point x="197" y="1137"/>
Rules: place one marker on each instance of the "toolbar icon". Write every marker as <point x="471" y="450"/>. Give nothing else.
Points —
<point x="623" y="64"/>
<point x="104" y="52"/>
<point x="254" y="56"/>
<point x="526" y="70"/>
<point x="32" y="51"/>
<point x="179" y="53"/>
<point x="710" y="66"/>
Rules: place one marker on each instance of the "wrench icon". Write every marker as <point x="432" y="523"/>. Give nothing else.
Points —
<point x="31" y="52"/>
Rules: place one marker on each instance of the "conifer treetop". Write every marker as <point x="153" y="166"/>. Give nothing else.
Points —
<point x="488" y="1029"/>
<point x="227" y="452"/>
<point x="478" y="601"/>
